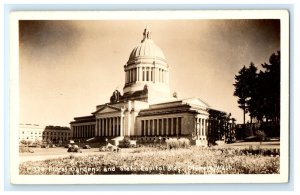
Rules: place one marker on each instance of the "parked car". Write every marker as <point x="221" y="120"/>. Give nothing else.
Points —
<point x="110" y="147"/>
<point x="68" y="146"/>
<point x="86" y="147"/>
<point x="74" y="148"/>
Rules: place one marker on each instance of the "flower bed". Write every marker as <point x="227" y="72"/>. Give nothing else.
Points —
<point x="157" y="161"/>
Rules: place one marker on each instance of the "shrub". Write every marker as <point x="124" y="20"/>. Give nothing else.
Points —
<point x="261" y="134"/>
<point x="173" y="143"/>
<point x="24" y="142"/>
<point x="184" y="143"/>
<point x="126" y="142"/>
<point x="23" y="149"/>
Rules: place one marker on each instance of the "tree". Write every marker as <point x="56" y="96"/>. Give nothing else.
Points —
<point x="272" y="90"/>
<point x="259" y="93"/>
<point x="245" y="89"/>
<point x="252" y="93"/>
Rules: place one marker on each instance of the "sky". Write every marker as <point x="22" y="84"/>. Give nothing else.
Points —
<point x="69" y="67"/>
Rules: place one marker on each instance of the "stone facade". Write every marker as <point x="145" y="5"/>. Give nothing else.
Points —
<point x="146" y="110"/>
<point x="30" y="132"/>
<point x="57" y="134"/>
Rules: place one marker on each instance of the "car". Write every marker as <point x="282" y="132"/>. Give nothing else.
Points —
<point x="109" y="148"/>
<point x="74" y="148"/>
<point x="68" y="146"/>
<point x="86" y="147"/>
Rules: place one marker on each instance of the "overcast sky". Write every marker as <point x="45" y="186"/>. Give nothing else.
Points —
<point x="69" y="67"/>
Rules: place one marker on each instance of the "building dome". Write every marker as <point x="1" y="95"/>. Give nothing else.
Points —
<point x="147" y="67"/>
<point x="147" y="49"/>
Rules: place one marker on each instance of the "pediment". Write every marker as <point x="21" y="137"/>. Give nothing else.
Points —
<point x="107" y="109"/>
<point x="197" y="102"/>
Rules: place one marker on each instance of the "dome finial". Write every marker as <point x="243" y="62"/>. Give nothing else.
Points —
<point x="146" y="33"/>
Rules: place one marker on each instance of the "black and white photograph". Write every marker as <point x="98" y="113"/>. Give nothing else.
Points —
<point x="150" y="97"/>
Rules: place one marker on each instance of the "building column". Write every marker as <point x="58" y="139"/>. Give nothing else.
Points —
<point x="97" y="126"/>
<point x="77" y="128"/>
<point x="89" y="130"/>
<point x="205" y="123"/>
<point x="110" y="126"/>
<point x="145" y="128"/>
<point x="100" y="127"/>
<point x="172" y="126"/>
<point x="166" y="130"/>
<point x="103" y="126"/>
<point x="150" y="74"/>
<point x="87" y="134"/>
<point x="153" y="127"/>
<point x="79" y="132"/>
<point x="121" y="125"/>
<point x="75" y="132"/>
<point x="128" y="76"/>
<point x="177" y="133"/>
<point x="113" y="128"/>
<point x="118" y="126"/>
<point x="154" y="74"/>
<point x="144" y="73"/>
<point x="140" y="73"/>
<point x="201" y="126"/>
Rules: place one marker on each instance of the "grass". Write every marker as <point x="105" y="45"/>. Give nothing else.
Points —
<point x="147" y="160"/>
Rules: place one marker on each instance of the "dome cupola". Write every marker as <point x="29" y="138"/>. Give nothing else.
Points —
<point x="147" y="49"/>
<point x="147" y="65"/>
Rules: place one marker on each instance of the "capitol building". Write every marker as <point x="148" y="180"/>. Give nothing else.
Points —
<point x="146" y="110"/>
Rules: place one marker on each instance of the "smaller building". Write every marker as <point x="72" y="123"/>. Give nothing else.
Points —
<point x="30" y="132"/>
<point x="57" y="133"/>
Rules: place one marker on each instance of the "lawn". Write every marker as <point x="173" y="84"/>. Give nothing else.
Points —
<point x="152" y="160"/>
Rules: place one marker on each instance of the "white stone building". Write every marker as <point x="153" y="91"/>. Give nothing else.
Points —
<point x="30" y="132"/>
<point x="146" y="110"/>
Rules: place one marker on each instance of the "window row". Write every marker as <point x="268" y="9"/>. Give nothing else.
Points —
<point x="57" y="133"/>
